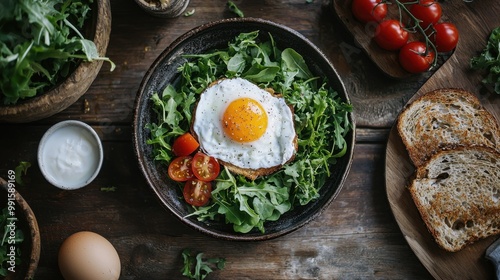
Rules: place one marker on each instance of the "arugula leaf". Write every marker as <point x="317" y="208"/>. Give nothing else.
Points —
<point x="174" y="111"/>
<point x="321" y="123"/>
<point x="108" y="189"/>
<point x="295" y="63"/>
<point x="40" y="43"/>
<point x="21" y="170"/>
<point x="196" y="267"/>
<point x="489" y="61"/>
<point x="233" y="8"/>
<point x="189" y="13"/>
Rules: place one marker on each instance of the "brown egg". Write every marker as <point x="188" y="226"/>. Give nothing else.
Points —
<point x="87" y="255"/>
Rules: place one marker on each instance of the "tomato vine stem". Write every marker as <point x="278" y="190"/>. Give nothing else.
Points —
<point x="417" y="28"/>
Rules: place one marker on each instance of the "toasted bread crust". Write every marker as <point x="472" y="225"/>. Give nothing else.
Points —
<point x="253" y="174"/>
<point x="454" y="144"/>
<point x="457" y="192"/>
<point x="443" y="118"/>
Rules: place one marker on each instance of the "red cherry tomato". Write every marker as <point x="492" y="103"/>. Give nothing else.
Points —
<point x="185" y="145"/>
<point x="414" y="58"/>
<point x="445" y="37"/>
<point x="428" y="11"/>
<point x="196" y="192"/>
<point x="391" y="35"/>
<point x="180" y="169"/>
<point x="369" y="10"/>
<point x="205" y="168"/>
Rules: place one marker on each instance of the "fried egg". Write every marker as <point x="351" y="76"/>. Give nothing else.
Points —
<point x="241" y="124"/>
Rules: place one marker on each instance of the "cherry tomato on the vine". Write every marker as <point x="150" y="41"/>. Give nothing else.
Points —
<point x="428" y="11"/>
<point x="196" y="192"/>
<point x="185" y="145"/>
<point x="205" y="168"/>
<point x="391" y="35"/>
<point x="415" y="58"/>
<point x="369" y="10"/>
<point x="445" y="37"/>
<point x="180" y="169"/>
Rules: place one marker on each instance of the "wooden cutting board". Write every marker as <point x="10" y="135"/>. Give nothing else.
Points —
<point x="363" y="33"/>
<point x="475" y="20"/>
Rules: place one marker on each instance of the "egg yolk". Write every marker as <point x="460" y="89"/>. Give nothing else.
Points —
<point x="244" y="120"/>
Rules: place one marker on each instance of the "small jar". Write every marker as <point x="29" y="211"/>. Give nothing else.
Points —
<point x="163" y="8"/>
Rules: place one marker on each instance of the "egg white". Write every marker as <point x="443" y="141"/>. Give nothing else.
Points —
<point x="274" y="148"/>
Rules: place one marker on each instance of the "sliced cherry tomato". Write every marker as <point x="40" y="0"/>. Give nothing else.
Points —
<point x="185" y="145"/>
<point x="205" y="168"/>
<point x="196" y="192"/>
<point x="180" y="169"/>
<point x="445" y="37"/>
<point x="369" y="10"/>
<point x="415" y="58"/>
<point x="391" y="35"/>
<point x="428" y="11"/>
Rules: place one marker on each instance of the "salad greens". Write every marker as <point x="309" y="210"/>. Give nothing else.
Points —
<point x="197" y="268"/>
<point x="489" y="60"/>
<point x="40" y="43"/>
<point x="321" y="123"/>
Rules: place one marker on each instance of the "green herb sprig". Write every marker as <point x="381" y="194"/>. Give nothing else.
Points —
<point x="234" y="8"/>
<point x="21" y="170"/>
<point x="197" y="267"/>
<point x="489" y="61"/>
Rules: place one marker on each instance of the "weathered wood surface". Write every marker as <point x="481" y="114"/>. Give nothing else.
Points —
<point x="357" y="237"/>
<point x="137" y="39"/>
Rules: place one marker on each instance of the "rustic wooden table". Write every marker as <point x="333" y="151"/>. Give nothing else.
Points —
<point x="357" y="237"/>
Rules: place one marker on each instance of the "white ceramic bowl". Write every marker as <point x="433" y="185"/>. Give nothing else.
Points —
<point x="70" y="155"/>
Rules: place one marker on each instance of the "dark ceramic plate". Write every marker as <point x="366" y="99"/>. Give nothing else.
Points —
<point x="164" y="71"/>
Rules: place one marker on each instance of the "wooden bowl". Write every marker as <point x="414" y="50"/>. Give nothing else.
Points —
<point x="163" y="8"/>
<point x="75" y="85"/>
<point x="26" y="221"/>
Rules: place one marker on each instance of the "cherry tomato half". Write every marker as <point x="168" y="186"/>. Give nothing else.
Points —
<point x="196" y="192"/>
<point x="180" y="169"/>
<point x="185" y="145"/>
<point x="205" y="168"/>
<point x="414" y="58"/>
<point x="445" y="37"/>
<point x="391" y="35"/>
<point x="369" y="10"/>
<point x="428" y="11"/>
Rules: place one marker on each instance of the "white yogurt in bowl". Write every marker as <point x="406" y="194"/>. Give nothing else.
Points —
<point x="70" y="155"/>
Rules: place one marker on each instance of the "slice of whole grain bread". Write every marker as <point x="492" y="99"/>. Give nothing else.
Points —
<point x="457" y="193"/>
<point x="443" y="118"/>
